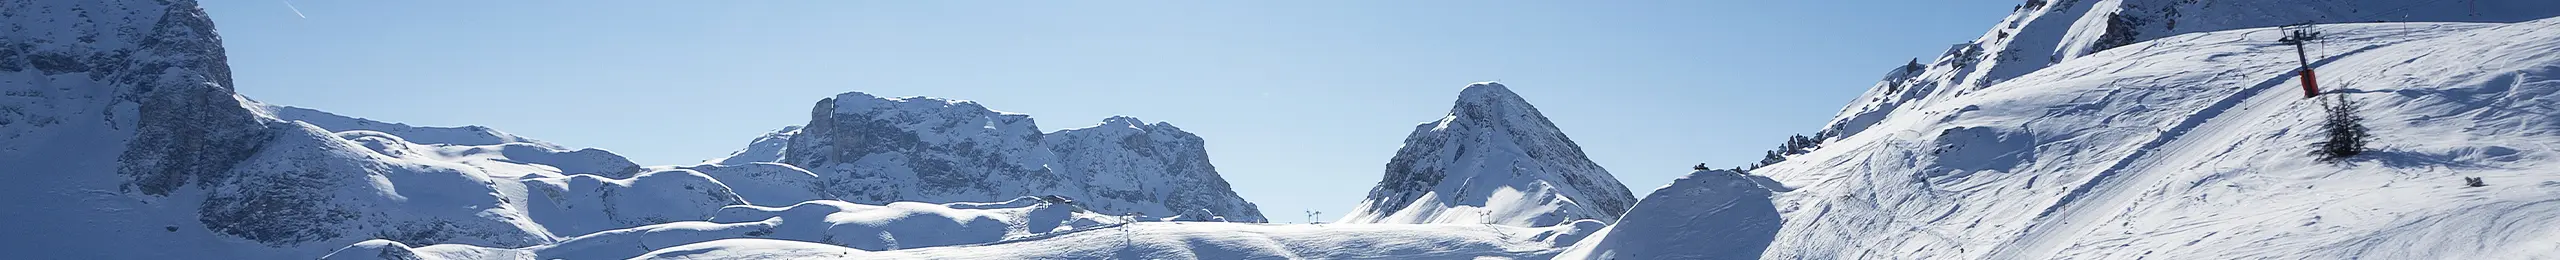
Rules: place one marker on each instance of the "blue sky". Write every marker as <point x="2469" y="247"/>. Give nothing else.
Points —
<point x="1302" y="102"/>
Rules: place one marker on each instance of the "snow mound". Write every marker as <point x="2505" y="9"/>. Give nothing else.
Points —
<point x="834" y="223"/>
<point x="580" y="204"/>
<point x="1713" y="214"/>
<point x="1492" y="159"/>
<point x="2195" y="147"/>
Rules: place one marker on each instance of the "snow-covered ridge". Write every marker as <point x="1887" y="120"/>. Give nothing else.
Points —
<point x="876" y="150"/>
<point x="767" y="148"/>
<point x="464" y="135"/>
<point x="1492" y="159"/>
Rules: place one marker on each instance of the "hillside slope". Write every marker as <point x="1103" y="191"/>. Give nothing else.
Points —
<point x="2195" y="147"/>
<point x="2042" y="33"/>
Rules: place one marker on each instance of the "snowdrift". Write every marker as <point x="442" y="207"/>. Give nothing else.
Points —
<point x="836" y="223"/>
<point x="1200" y="240"/>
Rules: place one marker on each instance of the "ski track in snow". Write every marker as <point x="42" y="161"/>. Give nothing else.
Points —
<point x="2070" y="215"/>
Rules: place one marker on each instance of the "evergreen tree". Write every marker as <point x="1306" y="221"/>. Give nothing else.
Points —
<point x="2347" y="135"/>
<point x="1772" y="157"/>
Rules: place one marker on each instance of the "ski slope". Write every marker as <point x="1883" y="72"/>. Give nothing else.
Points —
<point x="2196" y="147"/>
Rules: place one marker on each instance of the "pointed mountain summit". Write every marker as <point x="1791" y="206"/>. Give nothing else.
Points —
<point x="1493" y="159"/>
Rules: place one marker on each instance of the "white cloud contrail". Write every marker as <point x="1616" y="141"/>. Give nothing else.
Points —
<point x="297" y="12"/>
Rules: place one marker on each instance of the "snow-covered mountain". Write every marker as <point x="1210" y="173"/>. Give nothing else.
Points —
<point x="1492" y="160"/>
<point x="2194" y="146"/>
<point x="877" y="150"/>
<point x="122" y="139"/>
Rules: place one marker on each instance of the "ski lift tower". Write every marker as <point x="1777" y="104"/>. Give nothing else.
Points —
<point x="2299" y="35"/>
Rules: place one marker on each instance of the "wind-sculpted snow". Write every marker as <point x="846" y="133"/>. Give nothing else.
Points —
<point x="767" y="184"/>
<point x="1492" y="159"/>
<point x="1714" y="214"/>
<point x="875" y="150"/>
<point x="1199" y="240"/>
<point x="836" y="223"/>
<point x="2196" y="147"/>
<point x="580" y="204"/>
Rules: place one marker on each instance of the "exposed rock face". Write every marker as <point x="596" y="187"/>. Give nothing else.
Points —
<point x="1126" y="163"/>
<point x="119" y="130"/>
<point x="1493" y="159"/>
<point x="880" y="150"/>
<point x="875" y="150"/>
<point x="152" y="68"/>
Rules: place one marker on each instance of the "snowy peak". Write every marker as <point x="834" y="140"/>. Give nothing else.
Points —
<point x="1492" y="106"/>
<point x="1492" y="159"/>
<point x="1488" y="92"/>
<point x="1123" y="122"/>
